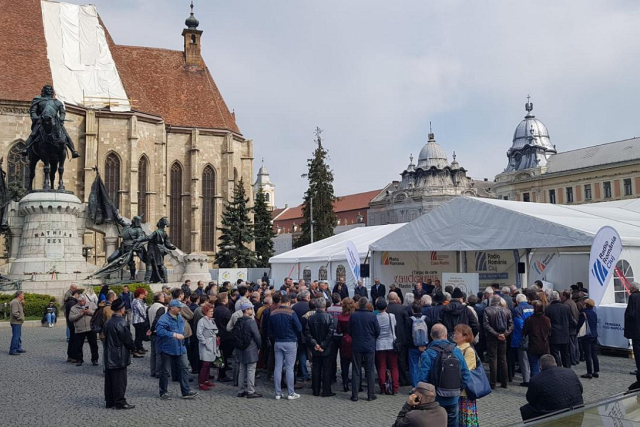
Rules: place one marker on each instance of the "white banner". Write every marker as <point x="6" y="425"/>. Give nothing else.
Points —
<point x="493" y="267"/>
<point x="611" y="326"/>
<point x="540" y="263"/>
<point x="469" y="283"/>
<point x="605" y="251"/>
<point x="353" y="258"/>
<point x="406" y="268"/>
<point x="232" y="275"/>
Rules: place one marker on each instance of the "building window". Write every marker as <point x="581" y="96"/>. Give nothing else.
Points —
<point x="526" y="197"/>
<point x="552" y="196"/>
<point x="569" y="194"/>
<point x="587" y="191"/>
<point x="322" y="273"/>
<point x="112" y="178"/>
<point x="341" y="272"/>
<point x="607" y="189"/>
<point x="208" y="209"/>
<point x="306" y="274"/>
<point x="627" y="187"/>
<point x="18" y="173"/>
<point x="266" y="197"/>
<point x="142" y="188"/>
<point x="175" y="211"/>
<point x="619" y="288"/>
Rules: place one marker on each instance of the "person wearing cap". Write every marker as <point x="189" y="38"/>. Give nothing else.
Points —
<point x="590" y="340"/>
<point x="170" y="344"/>
<point x="421" y="409"/>
<point x="118" y="346"/>
<point x="247" y="359"/>
<point x="456" y="313"/>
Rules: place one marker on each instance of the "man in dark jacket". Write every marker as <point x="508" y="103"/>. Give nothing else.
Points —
<point x="421" y="409"/>
<point x="498" y="325"/>
<point x="222" y="315"/>
<point x="319" y="333"/>
<point x="377" y="290"/>
<point x="71" y="344"/>
<point x="456" y="313"/>
<point x="403" y="335"/>
<point x="364" y="329"/>
<point x="553" y="389"/>
<point x="418" y="292"/>
<point x="118" y="346"/>
<point x="561" y="324"/>
<point x="341" y="289"/>
<point x="301" y="308"/>
<point x="574" y="352"/>
<point x="283" y="330"/>
<point x="361" y="289"/>
<point x="632" y="328"/>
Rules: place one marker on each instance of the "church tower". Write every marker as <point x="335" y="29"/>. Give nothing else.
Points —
<point x="191" y="36"/>
<point x="268" y="187"/>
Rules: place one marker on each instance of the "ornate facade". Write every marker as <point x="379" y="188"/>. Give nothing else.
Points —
<point x="424" y="186"/>
<point x="264" y="180"/>
<point x="177" y="152"/>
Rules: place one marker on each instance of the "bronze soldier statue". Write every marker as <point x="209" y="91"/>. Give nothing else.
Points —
<point x="130" y="237"/>
<point x="158" y="246"/>
<point x="37" y="106"/>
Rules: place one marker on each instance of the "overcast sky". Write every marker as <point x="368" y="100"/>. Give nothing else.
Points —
<point x="373" y="74"/>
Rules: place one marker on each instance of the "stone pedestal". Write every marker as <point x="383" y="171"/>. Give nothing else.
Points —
<point x="49" y="239"/>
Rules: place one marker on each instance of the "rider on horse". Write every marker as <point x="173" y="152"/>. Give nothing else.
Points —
<point x="37" y="106"/>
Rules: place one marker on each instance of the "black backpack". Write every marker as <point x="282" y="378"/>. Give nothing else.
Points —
<point x="241" y="334"/>
<point x="97" y="319"/>
<point x="445" y="374"/>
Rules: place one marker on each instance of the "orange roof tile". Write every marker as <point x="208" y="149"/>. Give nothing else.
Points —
<point x="345" y="203"/>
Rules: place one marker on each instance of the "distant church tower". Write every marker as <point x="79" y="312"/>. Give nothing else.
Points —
<point x="268" y="188"/>
<point x="191" y="36"/>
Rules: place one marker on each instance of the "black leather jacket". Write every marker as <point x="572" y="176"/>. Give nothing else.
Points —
<point x="319" y="330"/>
<point x="118" y="343"/>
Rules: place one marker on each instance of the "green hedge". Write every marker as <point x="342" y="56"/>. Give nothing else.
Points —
<point x="34" y="304"/>
<point x="132" y="288"/>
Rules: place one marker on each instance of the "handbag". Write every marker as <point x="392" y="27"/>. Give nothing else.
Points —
<point x="396" y="344"/>
<point x="478" y="385"/>
<point x="524" y="343"/>
<point x="584" y="329"/>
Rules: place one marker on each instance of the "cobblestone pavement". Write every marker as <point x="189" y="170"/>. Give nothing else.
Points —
<point x="39" y="388"/>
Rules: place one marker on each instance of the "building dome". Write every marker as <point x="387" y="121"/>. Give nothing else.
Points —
<point x="191" y="22"/>
<point x="432" y="155"/>
<point x="531" y="131"/>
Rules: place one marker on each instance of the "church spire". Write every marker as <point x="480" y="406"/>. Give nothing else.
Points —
<point x="191" y="36"/>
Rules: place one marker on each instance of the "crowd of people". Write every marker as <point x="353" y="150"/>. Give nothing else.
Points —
<point x="433" y="339"/>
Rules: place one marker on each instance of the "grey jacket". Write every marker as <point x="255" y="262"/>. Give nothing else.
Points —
<point x="250" y="354"/>
<point x="207" y="331"/>
<point x="17" y="312"/>
<point x="81" y="322"/>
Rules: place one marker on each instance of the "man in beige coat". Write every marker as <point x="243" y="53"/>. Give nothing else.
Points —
<point x="80" y="315"/>
<point x="17" y="319"/>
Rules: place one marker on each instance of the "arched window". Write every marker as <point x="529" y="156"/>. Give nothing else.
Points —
<point x="18" y="171"/>
<point x="175" y="210"/>
<point x="142" y="188"/>
<point x="322" y="273"/>
<point x="341" y="272"/>
<point x="266" y="197"/>
<point x="619" y="288"/>
<point x="208" y="209"/>
<point x="112" y="178"/>
<point x="306" y="274"/>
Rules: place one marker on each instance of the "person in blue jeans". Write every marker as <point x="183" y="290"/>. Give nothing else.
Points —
<point x="16" y="321"/>
<point x="538" y="328"/>
<point x="415" y="349"/>
<point x="427" y="365"/>
<point x="284" y="329"/>
<point x="50" y="314"/>
<point x="170" y="345"/>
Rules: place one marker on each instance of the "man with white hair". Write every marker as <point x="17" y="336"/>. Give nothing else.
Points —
<point x="403" y="335"/>
<point x="80" y="314"/>
<point x="498" y="325"/>
<point x="522" y="311"/>
<point x="561" y="323"/>
<point x="361" y="290"/>
<point x="506" y="295"/>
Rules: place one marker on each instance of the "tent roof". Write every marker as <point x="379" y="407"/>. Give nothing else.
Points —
<point x="468" y="223"/>
<point x="333" y="248"/>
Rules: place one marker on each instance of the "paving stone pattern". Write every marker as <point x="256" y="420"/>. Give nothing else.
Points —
<point x="39" y="388"/>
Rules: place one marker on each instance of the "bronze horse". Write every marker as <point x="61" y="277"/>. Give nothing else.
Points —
<point x="49" y="148"/>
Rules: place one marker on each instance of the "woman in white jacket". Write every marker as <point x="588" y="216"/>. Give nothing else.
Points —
<point x="207" y="333"/>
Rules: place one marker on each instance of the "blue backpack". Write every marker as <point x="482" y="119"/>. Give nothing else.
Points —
<point x="420" y="332"/>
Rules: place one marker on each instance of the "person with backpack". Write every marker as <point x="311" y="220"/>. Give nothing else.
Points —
<point x="498" y="325"/>
<point x="418" y="341"/>
<point x="364" y="329"/>
<point x="456" y="313"/>
<point x="444" y="366"/>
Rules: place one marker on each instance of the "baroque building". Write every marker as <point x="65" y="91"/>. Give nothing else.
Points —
<point x="424" y="186"/>
<point x="537" y="172"/>
<point x="268" y="188"/>
<point x="152" y="121"/>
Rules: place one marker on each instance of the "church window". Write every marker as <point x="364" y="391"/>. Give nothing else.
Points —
<point x="552" y="197"/>
<point x="322" y="273"/>
<point x="193" y="39"/>
<point x="341" y="272"/>
<point x="112" y="178"/>
<point x="569" y="194"/>
<point x="18" y="172"/>
<point x="587" y="192"/>
<point x="175" y="211"/>
<point x="143" y="165"/>
<point x="266" y="197"/>
<point x="306" y="274"/>
<point x="607" y="189"/>
<point x="627" y="187"/>
<point x="208" y="209"/>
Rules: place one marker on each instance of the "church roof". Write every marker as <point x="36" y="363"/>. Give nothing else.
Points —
<point x="594" y="156"/>
<point x="157" y="79"/>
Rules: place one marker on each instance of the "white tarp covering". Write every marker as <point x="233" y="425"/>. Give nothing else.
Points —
<point x="79" y="56"/>
<point x="471" y="224"/>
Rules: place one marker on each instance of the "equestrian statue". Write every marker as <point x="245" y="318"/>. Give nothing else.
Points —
<point x="49" y="139"/>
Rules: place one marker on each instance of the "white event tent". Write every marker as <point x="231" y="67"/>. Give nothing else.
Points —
<point x="327" y="254"/>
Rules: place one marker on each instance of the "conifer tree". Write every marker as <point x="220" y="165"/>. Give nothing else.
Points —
<point x="320" y="189"/>
<point x="237" y="233"/>
<point x="263" y="229"/>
